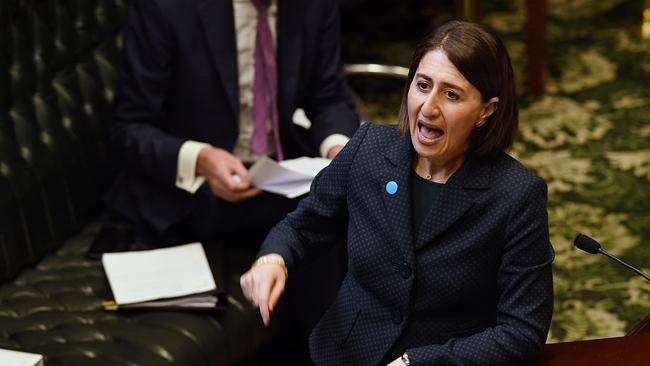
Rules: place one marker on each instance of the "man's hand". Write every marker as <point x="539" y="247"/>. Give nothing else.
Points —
<point x="333" y="151"/>
<point x="263" y="285"/>
<point x="218" y="166"/>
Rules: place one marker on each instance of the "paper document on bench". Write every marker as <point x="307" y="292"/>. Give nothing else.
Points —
<point x="290" y="178"/>
<point x="16" y="358"/>
<point x="169" y="277"/>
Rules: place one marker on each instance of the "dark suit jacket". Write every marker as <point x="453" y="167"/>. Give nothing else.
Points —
<point x="472" y="286"/>
<point x="178" y="81"/>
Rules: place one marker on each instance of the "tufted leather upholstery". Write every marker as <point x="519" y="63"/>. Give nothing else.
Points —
<point x="54" y="309"/>
<point x="57" y="72"/>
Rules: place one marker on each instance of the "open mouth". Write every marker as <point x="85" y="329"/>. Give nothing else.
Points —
<point x="429" y="133"/>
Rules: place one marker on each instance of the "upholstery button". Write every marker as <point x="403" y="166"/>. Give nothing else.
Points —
<point x="405" y="270"/>
<point x="397" y="317"/>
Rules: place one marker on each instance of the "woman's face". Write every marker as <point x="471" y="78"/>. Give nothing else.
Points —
<point x="443" y="110"/>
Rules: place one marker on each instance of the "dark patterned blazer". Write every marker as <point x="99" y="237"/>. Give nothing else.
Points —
<point x="472" y="286"/>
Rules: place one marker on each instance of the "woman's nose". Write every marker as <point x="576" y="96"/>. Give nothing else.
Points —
<point x="430" y="107"/>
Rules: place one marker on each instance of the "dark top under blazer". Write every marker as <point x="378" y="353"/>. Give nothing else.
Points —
<point x="178" y="81"/>
<point x="472" y="287"/>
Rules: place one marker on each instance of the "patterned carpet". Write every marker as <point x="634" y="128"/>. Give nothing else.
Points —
<point x="588" y="136"/>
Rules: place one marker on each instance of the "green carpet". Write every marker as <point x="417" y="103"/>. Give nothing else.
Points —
<point x="588" y="136"/>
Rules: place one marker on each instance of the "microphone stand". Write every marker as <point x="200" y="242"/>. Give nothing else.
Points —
<point x="639" y="272"/>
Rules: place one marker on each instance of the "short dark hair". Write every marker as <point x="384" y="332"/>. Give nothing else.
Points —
<point x="483" y="60"/>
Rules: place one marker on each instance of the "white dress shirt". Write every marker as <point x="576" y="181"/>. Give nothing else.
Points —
<point x="245" y="30"/>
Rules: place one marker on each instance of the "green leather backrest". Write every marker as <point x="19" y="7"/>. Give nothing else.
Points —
<point x="57" y="75"/>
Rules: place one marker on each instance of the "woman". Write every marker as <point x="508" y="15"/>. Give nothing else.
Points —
<point x="449" y="259"/>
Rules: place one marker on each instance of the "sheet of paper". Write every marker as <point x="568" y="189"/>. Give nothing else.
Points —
<point x="158" y="274"/>
<point x="15" y="358"/>
<point x="306" y="165"/>
<point x="397" y="362"/>
<point x="290" y="178"/>
<point x="194" y="302"/>
<point x="288" y="189"/>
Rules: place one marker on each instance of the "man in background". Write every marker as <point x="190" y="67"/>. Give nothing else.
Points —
<point x="188" y="100"/>
<point x="207" y="87"/>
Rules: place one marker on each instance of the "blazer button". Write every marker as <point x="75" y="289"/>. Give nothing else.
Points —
<point x="397" y="317"/>
<point x="405" y="270"/>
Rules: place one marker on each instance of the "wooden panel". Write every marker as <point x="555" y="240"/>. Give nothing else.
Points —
<point x="642" y="327"/>
<point x="536" y="44"/>
<point x="629" y="351"/>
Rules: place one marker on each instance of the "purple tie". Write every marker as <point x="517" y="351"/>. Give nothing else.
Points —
<point x="265" y="88"/>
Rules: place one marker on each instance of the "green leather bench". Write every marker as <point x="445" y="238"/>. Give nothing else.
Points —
<point x="57" y="76"/>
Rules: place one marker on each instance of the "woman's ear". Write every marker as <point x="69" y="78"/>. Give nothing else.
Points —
<point x="489" y="108"/>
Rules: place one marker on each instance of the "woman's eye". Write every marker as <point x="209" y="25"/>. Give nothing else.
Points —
<point x="451" y="95"/>
<point x="421" y="85"/>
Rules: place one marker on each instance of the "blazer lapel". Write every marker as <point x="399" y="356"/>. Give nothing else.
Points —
<point x="217" y="18"/>
<point x="398" y="205"/>
<point x="456" y="198"/>
<point x="289" y="53"/>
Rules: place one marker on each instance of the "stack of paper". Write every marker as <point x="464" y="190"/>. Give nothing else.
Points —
<point x="176" y="277"/>
<point x="15" y="358"/>
<point x="290" y="178"/>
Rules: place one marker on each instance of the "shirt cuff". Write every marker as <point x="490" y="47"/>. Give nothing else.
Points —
<point x="186" y="178"/>
<point x="331" y="141"/>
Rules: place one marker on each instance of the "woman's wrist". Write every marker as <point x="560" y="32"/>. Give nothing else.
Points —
<point x="274" y="259"/>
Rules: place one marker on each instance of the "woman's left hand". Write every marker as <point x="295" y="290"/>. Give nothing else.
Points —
<point x="263" y="285"/>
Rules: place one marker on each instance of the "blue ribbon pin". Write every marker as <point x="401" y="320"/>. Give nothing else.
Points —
<point x="391" y="187"/>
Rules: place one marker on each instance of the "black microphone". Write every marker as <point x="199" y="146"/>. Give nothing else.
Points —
<point x="589" y="245"/>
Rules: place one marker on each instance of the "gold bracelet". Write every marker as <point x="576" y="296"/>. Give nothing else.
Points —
<point x="272" y="259"/>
